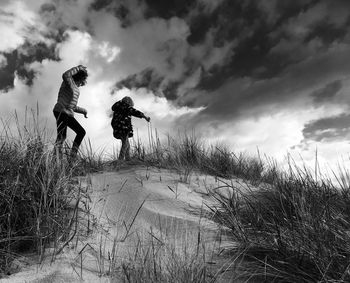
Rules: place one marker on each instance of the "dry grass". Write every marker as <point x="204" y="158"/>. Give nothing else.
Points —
<point x="186" y="153"/>
<point x="161" y="258"/>
<point x="294" y="229"/>
<point x="36" y="191"/>
<point x="159" y="263"/>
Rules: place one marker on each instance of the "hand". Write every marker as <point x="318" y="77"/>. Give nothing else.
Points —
<point x="85" y="113"/>
<point x="147" y="118"/>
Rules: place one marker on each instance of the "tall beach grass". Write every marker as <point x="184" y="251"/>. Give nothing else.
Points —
<point x="288" y="226"/>
<point x="186" y="152"/>
<point x="36" y="191"/>
<point x="295" y="229"/>
<point x="285" y="225"/>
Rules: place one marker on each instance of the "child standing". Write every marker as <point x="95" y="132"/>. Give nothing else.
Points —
<point x="121" y="123"/>
<point x="66" y="105"/>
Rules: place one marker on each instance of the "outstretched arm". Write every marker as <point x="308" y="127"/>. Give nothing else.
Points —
<point x="139" y="114"/>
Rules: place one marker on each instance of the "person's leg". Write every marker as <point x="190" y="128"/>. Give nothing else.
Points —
<point x="61" y="122"/>
<point x="127" y="149"/>
<point x="123" y="149"/>
<point x="80" y="134"/>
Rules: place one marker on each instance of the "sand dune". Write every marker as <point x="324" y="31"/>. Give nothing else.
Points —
<point x="126" y="209"/>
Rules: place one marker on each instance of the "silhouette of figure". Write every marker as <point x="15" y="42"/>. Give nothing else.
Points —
<point x="121" y="124"/>
<point x="65" y="107"/>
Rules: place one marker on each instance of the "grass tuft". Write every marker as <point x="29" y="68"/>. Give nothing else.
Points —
<point x="36" y="189"/>
<point x="294" y="230"/>
<point x="287" y="226"/>
<point x="163" y="262"/>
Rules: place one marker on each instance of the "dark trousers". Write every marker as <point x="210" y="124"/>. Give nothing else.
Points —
<point x="63" y="121"/>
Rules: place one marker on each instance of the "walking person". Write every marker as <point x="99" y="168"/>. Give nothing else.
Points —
<point x="66" y="106"/>
<point x="121" y="124"/>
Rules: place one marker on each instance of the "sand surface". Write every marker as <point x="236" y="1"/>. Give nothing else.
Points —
<point x="125" y="210"/>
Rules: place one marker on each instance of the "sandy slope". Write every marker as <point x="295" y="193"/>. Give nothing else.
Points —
<point x="125" y="209"/>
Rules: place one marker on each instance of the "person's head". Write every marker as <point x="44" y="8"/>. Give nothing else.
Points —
<point x="128" y="100"/>
<point x="80" y="77"/>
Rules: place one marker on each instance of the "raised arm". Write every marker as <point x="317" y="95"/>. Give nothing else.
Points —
<point x="68" y="79"/>
<point x="68" y="75"/>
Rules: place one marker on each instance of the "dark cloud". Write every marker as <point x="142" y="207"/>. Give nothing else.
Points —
<point x="121" y="9"/>
<point x="247" y="23"/>
<point x="289" y="9"/>
<point x="328" y="129"/>
<point x="122" y="13"/>
<point x="253" y="57"/>
<point x="328" y="32"/>
<point x="150" y="80"/>
<point x="101" y="4"/>
<point x="328" y="92"/>
<point x="199" y="27"/>
<point x="257" y="36"/>
<point x="42" y="46"/>
<point x="52" y="18"/>
<point x="6" y="14"/>
<point x="277" y="53"/>
<point x="168" y="9"/>
<point x="170" y="90"/>
<point x="47" y="8"/>
<point x="264" y="48"/>
<point x="18" y="59"/>
<point x="7" y="73"/>
<point x="245" y="97"/>
<point x="147" y="78"/>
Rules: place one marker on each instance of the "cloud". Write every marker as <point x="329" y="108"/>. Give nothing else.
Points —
<point x="147" y="78"/>
<point x="20" y="22"/>
<point x="76" y="47"/>
<point x="235" y="39"/>
<point x="311" y="31"/>
<point x="328" y="92"/>
<point x="18" y="62"/>
<point x="230" y="63"/>
<point x="234" y="70"/>
<point x="178" y="65"/>
<point x="328" y="129"/>
<point x="3" y="61"/>
<point x="58" y="16"/>
<point x="243" y="97"/>
<point x="108" y="52"/>
<point x="221" y="42"/>
<point x="48" y="74"/>
<point x="169" y="9"/>
<point x="26" y="42"/>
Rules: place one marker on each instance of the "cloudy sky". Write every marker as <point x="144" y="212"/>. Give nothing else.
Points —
<point x="272" y="75"/>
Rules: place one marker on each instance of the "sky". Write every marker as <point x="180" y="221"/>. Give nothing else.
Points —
<point x="271" y="75"/>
